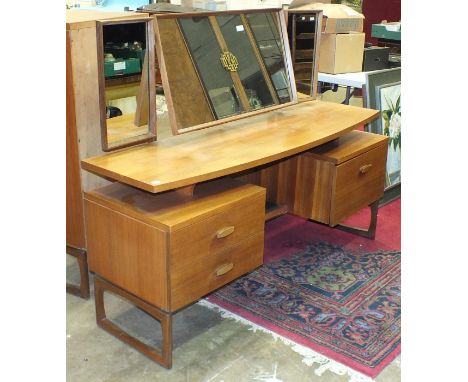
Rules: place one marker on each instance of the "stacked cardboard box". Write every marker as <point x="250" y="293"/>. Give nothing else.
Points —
<point x="342" y="40"/>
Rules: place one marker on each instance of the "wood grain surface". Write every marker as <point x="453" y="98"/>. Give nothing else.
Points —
<point x="75" y="219"/>
<point x="353" y="189"/>
<point x="348" y="146"/>
<point x="86" y="93"/>
<point x="164" y="248"/>
<point x="83" y="18"/>
<point x="173" y="210"/>
<point x="229" y="148"/>
<point x="128" y="252"/>
<point x="204" y="272"/>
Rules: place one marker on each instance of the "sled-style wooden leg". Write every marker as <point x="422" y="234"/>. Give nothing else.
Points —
<point x="162" y="356"/>
<point x="81" y="290"/>
<point x="367" y="233"/>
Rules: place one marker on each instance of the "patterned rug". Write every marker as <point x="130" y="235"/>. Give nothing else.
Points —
<point x="325" y="289"/>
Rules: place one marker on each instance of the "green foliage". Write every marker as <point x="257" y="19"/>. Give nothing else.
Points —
<point x="387" y="115"/>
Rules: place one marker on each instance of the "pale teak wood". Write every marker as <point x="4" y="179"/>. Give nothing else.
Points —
<point x="204" y="154"/>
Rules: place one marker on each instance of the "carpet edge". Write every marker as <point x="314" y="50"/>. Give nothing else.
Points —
<point x="309" y="356"/>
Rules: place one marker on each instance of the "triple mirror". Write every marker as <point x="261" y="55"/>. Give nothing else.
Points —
<point x="219" y="66"/>
<point x="126" y="81"/>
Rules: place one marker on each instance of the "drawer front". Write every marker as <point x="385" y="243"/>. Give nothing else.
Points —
<point x="202" y="273"/>
<point x="358" y="182"/>
<point x="219" y="231"/>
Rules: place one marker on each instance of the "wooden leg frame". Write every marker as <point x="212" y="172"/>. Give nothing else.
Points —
<point x="370" y="232"/>
<point x="163" y="356"/>
<point x="83" y="289"/>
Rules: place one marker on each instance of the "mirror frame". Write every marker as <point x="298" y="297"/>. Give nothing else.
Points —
<point x="167" y="87"/>
<point x="151" y="134"/>
<point x="317" y="38"/>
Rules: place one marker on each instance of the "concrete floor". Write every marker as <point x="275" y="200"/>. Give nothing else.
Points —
<point x="206" y="346"/>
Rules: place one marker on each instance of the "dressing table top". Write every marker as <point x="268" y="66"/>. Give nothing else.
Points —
<point x="201" y="155"/>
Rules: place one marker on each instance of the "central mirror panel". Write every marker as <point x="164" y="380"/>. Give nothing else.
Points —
<point x="221" y="65"/>
<point x="205" y="51"/>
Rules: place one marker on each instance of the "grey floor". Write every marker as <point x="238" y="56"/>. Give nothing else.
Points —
<point x="206" y="346"/>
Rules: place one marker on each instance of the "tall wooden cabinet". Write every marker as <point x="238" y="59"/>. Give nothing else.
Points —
<point x="83" y="125"/>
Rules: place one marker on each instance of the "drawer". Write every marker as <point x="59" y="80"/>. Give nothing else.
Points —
<point x="202" y="273"/>
<point x="216" y="232"/>
<point x="358" y="182"/>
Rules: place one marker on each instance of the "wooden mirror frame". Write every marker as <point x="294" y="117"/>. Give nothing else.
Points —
<point x="166" y="85"/>
<point x="151" y="134"/>
<point x="318" y="33"/>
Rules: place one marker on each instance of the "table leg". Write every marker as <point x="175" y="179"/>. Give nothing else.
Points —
<point x="162" y="356"/>
<point x="367" y="233"/>
<point x="83" y="289"/>
<point x="349" y="94"/>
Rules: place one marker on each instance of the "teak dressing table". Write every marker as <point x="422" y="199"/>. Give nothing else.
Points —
<point x="185" y="215"/>
<point x="161" y="241"/>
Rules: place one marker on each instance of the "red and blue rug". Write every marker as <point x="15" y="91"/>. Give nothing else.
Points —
<point x="333" y="292"/>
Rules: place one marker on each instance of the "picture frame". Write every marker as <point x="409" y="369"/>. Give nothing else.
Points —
<point x="382" y="91"/>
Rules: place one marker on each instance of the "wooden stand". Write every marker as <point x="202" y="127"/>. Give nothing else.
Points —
<point x="164" y="252"/>
<point x="370" y="232"/>
<point x="162" y="356"/>
<point x="83" y="289"/>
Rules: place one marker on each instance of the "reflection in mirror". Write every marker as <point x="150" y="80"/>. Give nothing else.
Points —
<point x="230" y="63"/>
<point x="254" y="87"/>
<point x="205" y="51"/>
<point x="127" y="84"/>
<point x="265" y="29"/>
<point x="304" y="28"/>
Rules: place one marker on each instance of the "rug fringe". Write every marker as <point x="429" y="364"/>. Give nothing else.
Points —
<point x="309" y="356"/>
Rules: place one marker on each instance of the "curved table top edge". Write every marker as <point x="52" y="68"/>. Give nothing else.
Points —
<point x="146" y="176"/>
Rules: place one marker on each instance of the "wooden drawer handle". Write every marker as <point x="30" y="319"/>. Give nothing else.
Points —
<point x="223" y="269"/>
<point x="365" y="168"/>
<point x="225" y="231"/>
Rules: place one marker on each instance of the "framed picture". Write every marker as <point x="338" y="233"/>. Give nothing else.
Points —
<point x="382" y="91"/>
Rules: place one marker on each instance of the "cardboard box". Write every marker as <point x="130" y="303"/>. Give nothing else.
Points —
<point x="341" y="53"/>
<point x="337" y="18"/>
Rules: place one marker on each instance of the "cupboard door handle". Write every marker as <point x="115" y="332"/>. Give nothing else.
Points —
<point x="365" y="168"/>
<point x="223" y="269"/>
<point x="225" y="231"/>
